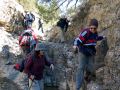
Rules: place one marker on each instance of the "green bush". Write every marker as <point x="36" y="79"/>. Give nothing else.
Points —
<point x="49" y="12"/>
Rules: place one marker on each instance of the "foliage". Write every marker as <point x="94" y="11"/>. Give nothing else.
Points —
<point x="71" y="11"/>
<point x="28" y="4"/>
<point x="48" y="12"/>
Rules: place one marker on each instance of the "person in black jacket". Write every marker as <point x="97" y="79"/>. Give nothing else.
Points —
<point x="63" y="25"/>
<point x="40" y="25"/>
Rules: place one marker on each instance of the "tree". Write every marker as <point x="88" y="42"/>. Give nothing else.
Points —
<point x="48" y="12"/>
<point x="28" y="4"/>
<point x="61" y="2"/>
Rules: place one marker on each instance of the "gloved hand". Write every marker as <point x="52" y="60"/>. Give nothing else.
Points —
<point x="75" y="49"/>
<point x="52" y="67"/>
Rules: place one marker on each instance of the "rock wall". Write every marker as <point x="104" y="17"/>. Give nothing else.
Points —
<point x="9" y="49"/>
<point x="108" y="51"/>
<point x="107" y="59"/>
<point x="8" y="8"/>
<point x="108" y="14"/>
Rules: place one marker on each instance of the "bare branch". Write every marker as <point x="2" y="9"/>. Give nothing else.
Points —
<point x="58" y="1"/>
<point x="76" y="3"/>
<point x="61" y="4"/>
<point x="69" y="2"/>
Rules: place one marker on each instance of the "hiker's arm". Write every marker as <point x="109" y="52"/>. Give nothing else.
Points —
<point x="28" y="66"/>
<point x="35" y="37"/>
<point x="77" y="42"/>
<point x="100" y="38"/>
<point x="47" y="62"/>
<point x="20" y="38"/>
<point x="81" y="39"/>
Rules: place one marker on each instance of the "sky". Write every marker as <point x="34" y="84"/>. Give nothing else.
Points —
<point x="72" y="4"/>
<point x="64" y="7"/>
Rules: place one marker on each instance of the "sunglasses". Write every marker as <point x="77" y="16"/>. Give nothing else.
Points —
<point x="93" y="28"/>
<point x="39" y="51"/>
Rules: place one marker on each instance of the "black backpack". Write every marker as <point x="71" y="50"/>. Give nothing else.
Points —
<point x="30" y="17"/>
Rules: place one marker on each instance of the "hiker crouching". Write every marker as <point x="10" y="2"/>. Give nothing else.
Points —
<point x="84" y="45"/>
<point x="34" y="68"/>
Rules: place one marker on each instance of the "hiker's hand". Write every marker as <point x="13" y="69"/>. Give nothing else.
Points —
<point x="104" y="37"/>
<point x="75" y="49"/>
<point x="32" y="77"/>
<point x="52" y="67"/>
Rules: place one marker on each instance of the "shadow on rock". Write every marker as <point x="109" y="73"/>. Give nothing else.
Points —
<point x="6" y="84"/>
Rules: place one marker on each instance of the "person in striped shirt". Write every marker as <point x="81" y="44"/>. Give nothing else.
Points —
<point x="84" y="45"/>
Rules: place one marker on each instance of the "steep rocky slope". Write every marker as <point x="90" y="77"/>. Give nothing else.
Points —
<point x="108" y="51"/>
<point x="108" y="14"/>
<point x="9" y="48"/>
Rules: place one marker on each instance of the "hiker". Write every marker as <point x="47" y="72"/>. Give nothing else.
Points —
<point x="40" y="27"/>
<point x="28" y="40"/>
<point x="28" y="18"/>
<point x="84" y="45"/>
<point x="63" y="25"/>
<point x="34" y="68"/>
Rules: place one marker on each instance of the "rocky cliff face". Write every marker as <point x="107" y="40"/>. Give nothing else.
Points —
<point x="107" y="58"/>
<point x="108" y="51"/>
<point x="108" y="14"/>
<point x="9" y="48"/>
<point x="9" y="10"/>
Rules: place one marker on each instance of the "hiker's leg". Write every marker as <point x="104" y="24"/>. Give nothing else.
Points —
<point x="26" y="23"/>
<point x="42" y="29"/>
<point x="62" y="35"/>
<point x="41" y="84"/>
<point x="30" y="23"/>
<point x="90" y="65"/>
<point x="91" y="68"/>
<point x="34" y="85"/>
<point x="80" y="71"/>
<point x="39" y="27"/>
